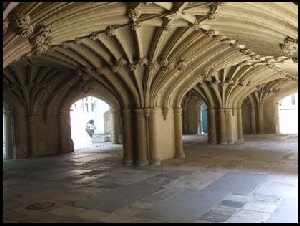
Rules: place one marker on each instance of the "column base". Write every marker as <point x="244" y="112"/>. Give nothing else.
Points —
<point x="180" y="156"/>
<point x="212" y="142"/>
<point x="155" y="162"/>
<point x="223" y="142"/>
<point x="240" y="140"/>
<point x="126" y="162"/>
<point x="142" y="163"/>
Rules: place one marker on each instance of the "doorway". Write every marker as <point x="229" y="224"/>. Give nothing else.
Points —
<point x="288" y="114"/>
<point x="202" y="128"/>
<point x="90" y="123"/>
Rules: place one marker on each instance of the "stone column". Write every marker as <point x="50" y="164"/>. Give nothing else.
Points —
<point x="115" y="132"/>
<point x="141" y="138"/>
<point x="229" y="133"/>
<point x="66" y="143"/>
<point x="127" y="137"/>
<point x="223" y="138"/>
<point x="260" y="115"/>
<point x="240" y="135"/>
<point x="8" y="136"/>
<point x="178" y="133"/>
<point x="200" y="121"/>
<point x="5" y="152"/>
<point x="31" y="136"/>
<point x="253" y="121"/>
<point x="185" y="120"/>
<point x="13" y="135"/>
<point x="154" y="160"/>
<point x="212" y="126"/>
<point x="277" y="126"/>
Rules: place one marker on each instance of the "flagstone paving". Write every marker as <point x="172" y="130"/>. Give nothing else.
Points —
<point x="255" y="181"/>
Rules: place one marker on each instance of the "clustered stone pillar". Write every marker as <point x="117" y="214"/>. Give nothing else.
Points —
<point x="240" y="135"/>
<point x="127" y="137"/>
<point x="66" y="144"/>
<point x="142" y="155"/>
<point x="10" y="137"/>
<point x="199" y="113"/>
<point x="212" y="126"/>
<point x="115" y="132"/>
<point x="178" y="133"/>
<point x="31" y="136"/>
<point x="260" y="120"/>
<point x="229" y="133"/>
<point x="223" y="138"/>
<point x="253" y="127"/>
<point x="154" y="160"/>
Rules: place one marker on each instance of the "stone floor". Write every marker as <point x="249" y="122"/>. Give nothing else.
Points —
<point x="255" y="181"/>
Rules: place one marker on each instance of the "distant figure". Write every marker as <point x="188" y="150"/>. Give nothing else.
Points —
<point x="89" y="128"/>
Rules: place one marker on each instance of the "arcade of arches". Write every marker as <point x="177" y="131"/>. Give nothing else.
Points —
<point x="193" y="89"/>
<point x="153" y="62"/>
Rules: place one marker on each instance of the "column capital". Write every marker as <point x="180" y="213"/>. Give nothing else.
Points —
<point x="153" y="110"/>
<point x="32" y="117"/>
<point x="126" y="111"/>
<point x="147" y="111"/>
<point x="177" y="110"/>
<point x="228" y="109"/>
<point x="139" y="110"/>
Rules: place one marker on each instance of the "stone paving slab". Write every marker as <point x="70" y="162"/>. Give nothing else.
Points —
<point x="236" y="182"/>
<point x="188" y="206"/>
<point x="118" y="198"/>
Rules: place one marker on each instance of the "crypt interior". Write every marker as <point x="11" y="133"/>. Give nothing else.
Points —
<point x="201" y="123"/>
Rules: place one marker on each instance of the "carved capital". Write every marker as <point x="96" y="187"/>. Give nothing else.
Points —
<point x="152" y="66"/>
<point x="121" y="62"/>
<point x="110" y="31"/>
<point x="132" y="67"/>
<point x="23" y="24"/>
<point x="135" y="25"/>
<point x="210" y="33"/>
<point x="143" y="61"/>
<point x="134" y="14"/>
<point x="290" y="46"/>
<point x="164" y="63"/>
<point x="94" y="36"/>
<point x="181" y="65"/>
<point x="41" y="41"/>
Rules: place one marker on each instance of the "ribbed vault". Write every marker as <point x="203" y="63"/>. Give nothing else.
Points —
<point x="148" y="55"/>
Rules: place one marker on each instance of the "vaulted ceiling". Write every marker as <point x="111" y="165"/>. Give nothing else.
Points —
<point x="156" y="52"/>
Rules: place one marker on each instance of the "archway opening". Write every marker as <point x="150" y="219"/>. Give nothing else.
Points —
<point x="91" y="123"/>
<point x="288" y="114"/>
